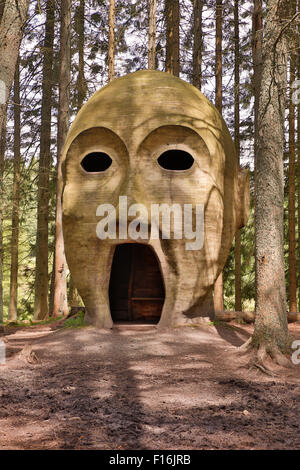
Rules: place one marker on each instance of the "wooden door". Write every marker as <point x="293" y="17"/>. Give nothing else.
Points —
<point x="136" y="287"/>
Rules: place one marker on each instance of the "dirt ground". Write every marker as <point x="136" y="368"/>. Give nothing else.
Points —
<point x="137" y="387"/>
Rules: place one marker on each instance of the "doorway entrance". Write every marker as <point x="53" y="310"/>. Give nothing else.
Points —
<point x="136" y="289"/>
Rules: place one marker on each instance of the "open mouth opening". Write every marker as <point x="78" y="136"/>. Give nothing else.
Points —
<point x="136" y="289"/>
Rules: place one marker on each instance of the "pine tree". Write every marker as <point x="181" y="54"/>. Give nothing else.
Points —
<point x="257" y="34"/>
<point x="111" y="41"/>
<point x="237" y="246"/>
<point x="218" y="288"/>
<point x="298" y="159"/>
<point x="81" y="89"/>
<point x="13" y="17"/>
<point x="2" y="153"/>
<point x="172" y="36"/>
<point x="152" y="35"/>
<point x="41" y="273"/>
<point x="81" y="84"/>
<point x="12" y="312"/>
<point x="197" y="44"/>
<point x="60" y="290"/>
<point x="292" y="173"/>
<point x="271" y="330"/>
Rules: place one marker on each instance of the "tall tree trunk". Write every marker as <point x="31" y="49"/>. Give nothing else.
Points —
<point x="219" y="54"/>
<point x="60" y="289"/>
<point x="152" y="35"/>
<point x="12" y="311"/>
<point x="111" y="41"/>
<point x="298" y="160"/>
<point x="218" y="289"/>
<point x="257" y="34"/>
<point x="11" y="28"/>
<point x="2" y="3"/>
<point x="172" y="39"/>
<point x="237" y="246"/>
<point x="52" y="284"/>
<point x="81" y="84"/>
<point x="198" y="44"/>
<point x="271" y="330"/>
<point x="2" y="153"/>
<point x="73" y="296"/>
<point x="292" y="173"/>
<point x="41" y="270"/>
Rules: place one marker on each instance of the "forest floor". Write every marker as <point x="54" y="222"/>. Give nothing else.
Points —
<point x="136" y="387"/>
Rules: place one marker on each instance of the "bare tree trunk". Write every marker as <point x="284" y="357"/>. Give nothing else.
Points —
<point x="2" y="3"/>
<point x="12" y="311"/>
<point x="271" y="329"/>
<point x="257" y="34"/>
<point x="2" y="153"/>
<point x="13" y="18"/>
<point x="218" y="289"/>
<point x="292" y="173"/>
<point x="73" y="297"/>
<point x="198" y="44"/>
<point x="111" y="42"/>
<point x="298" y="160"/>
<point x="41" y="271"/>
<point x="81" y="84"/>
<point x="172" y="33"/>
<point x="219" y="65"/>
<point x="152" y="35"/>
<point x="52" y="286"/>
<point x="60" y="289"/>
<point x="237" y="246"/>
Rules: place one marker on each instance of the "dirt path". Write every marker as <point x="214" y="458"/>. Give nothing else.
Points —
<point x="139" y="388"/>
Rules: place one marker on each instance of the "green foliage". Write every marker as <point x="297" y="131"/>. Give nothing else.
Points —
<point x="248" y="269"/>
<point x="76" y="322"/>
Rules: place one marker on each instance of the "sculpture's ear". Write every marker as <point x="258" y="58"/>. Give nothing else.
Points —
<point x="243" y="202"/>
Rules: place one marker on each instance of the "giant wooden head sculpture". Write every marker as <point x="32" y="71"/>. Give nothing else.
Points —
<point x="151" y="142"/>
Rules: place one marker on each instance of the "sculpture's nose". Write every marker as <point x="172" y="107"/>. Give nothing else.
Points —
<point x="130" y="194"/>
<point x="129" y="190"/>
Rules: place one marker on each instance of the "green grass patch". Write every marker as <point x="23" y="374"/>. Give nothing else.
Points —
<point x="30" y="322"/>
<point x="76" y="322"/>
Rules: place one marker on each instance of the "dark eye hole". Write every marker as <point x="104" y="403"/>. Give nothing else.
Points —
<point x="96" y="161"/>
<point x="175" y="160"/>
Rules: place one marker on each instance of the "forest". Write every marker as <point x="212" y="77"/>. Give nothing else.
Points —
<point x="244" y="57"/>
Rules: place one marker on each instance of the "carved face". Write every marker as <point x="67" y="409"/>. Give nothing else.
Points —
<point x="156" y="140"/>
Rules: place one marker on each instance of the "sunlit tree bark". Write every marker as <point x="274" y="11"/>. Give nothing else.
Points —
<point x="60" y="287"/>
<point x="172" y="36"/>
<point x="152" y="35"/>
<point x="41" y="270"/>
<point x="271" y="329"/>
<point x="12" y="311"/>
<point x="13" y="17"/>
<point x="218" y="288"/>
<point x="111" y="41"/>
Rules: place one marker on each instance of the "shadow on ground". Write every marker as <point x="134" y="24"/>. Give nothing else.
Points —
<point x="137" y="388"/>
